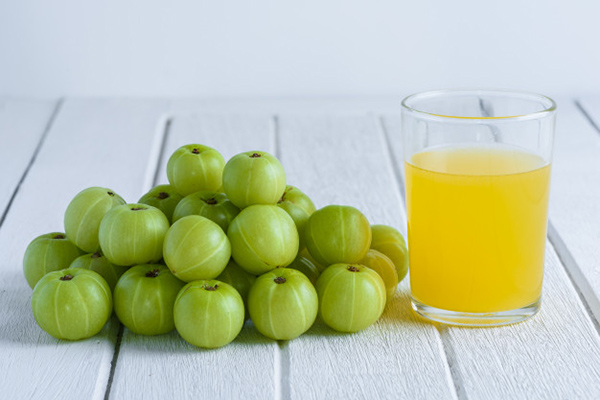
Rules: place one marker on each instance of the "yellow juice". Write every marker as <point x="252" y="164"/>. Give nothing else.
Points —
<point x="477" y="220"/>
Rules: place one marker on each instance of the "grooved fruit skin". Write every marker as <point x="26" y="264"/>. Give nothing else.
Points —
<point x="45" y="254"/>
<point x="195" y="167"/>
<point x="208" y="318"/>
<point x="283" y="311"/>
<point x="130" y="237"/>
<point x="145" y="304"/>
<point x="85" y="213"/>
<point x="337" y="234"/>
<point x="74" y="309"/>
<point x="249" y="180"/>
<point x="263" y="238"/>
<point x="196" y="248"/>
<point x="350" y="301"/>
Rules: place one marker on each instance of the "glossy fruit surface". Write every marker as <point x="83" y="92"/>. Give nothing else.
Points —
<point x="84" y="214"/>
<point x="47" y="253"/>
<point x="390" y="242"/>
<point x="337" y="234"/>
<point x="209" y="313"/>
<point x="195" y="167"/>
<point x="163" y="197"/>
<point x="98" y="263"/>
<point x="299" y="206"/>
<point x="72" y="304"/>
<point x="133" y="234"/>
<point x="283" y="304"/>
<point x="196" y="248"/>
<point x="253" y="177"/>
<point x="382" y="264"/>
<point x="307" y="267"/>
<point x="351" y="297"/>
<point x="144" y="298"/>
<point x="263" y="238"/>
<point x="212" y="205"/>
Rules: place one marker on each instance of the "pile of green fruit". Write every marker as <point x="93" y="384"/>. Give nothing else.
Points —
<point x="221" y="243"/>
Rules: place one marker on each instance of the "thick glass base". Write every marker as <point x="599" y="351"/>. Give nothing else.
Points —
<point x="476" y="319"/>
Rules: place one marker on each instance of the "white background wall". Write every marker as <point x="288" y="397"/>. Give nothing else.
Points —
<point x="51" y="48"/>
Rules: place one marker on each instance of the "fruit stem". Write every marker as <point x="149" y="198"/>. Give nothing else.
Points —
<point x="211" y="288"/>
<point x="255" y="155"/>
<point x="196" y="151"/>
<point x="66" y="277"/>
<point x="153" y="274"/>
<point x="97" y="255"/>
<point x="279" y="280"/>
<point x="163" y="195"/>
<point x="210" y="201"/>
<point x="352" y="268"/>
<point x="59" y="236"/>
<point x="137" y="208"/>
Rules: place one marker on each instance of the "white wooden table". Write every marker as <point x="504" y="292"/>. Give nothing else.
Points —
<point x="339" y="151"/>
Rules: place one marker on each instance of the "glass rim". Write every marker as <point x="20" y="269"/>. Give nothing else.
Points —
<point x="547" y="102"/>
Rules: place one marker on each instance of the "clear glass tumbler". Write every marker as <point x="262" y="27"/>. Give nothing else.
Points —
<point x="477" y="174"/>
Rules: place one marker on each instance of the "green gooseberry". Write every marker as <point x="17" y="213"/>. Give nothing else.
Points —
<point x="263" y="238"/>
<point x="47" y="253"/>
<point x="98" y="263"/>
<point x="84" y="215"/>
<point x="72" y="304"/>
<point x="163" y="197"/>
<point x="351" y="297"/>
<point x="299" y="206"/>
<point x="283" y="304"/>
<point x="195" y="167"/>
<point x="133" y="234"/>
<point x="390" y="242"/>
<point x="212" y="205"/>
<point x="337" y="234"/>
<point x="196" y="248"/>
<point x="144" y="298"/>
<point x="253" y="177"/>
<point x="209" y="313"/>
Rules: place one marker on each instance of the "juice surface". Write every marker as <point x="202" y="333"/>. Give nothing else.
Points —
<point x="477" y="220"/>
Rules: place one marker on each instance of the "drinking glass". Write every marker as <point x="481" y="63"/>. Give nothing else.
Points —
<point x="477" y="173"/>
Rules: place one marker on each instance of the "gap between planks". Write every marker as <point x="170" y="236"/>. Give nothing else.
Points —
<point x="160" y="138"/>
<point x="452" y="371"/>
<point x="47" y="128"/>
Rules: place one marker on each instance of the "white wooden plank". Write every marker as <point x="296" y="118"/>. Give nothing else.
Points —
<point x="344" y="160"/>
<point x="92" y="142"/>
<point x="575" y="196"/>
<point x="22" y="125"/>
<point x="291" y="105"/>
<point x="554" y="355"/>
<point x="166" y="366"/>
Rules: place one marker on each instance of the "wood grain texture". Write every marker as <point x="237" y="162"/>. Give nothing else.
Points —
<point x="554" y="355"/>
<point x="575" y="196"/>
<point x="166" y="366"/>
<point x="344" y="160"/>
<point x="22" y="126"/>
<point x="92" y="142"/>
